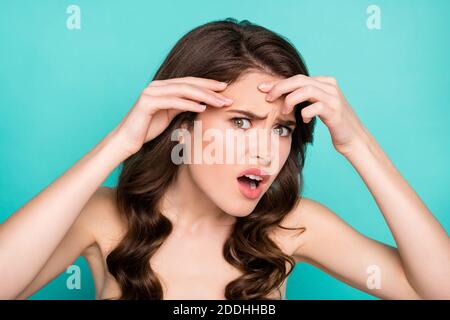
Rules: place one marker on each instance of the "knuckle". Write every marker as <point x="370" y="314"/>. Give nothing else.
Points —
<point x="148" y="91"/>
<point x="308" y="89"/>
<point x="320" y="106"/>
<point x="155" y="83"/>
<point x="275" y="91"/>
<point x="332" y="80"/>
<point x="183" y="86"/>
<point x="334" y="102"/>
<point x="142" y="102"/>
<point x="142" y="98"/>
<point x="172" y="100"/>
<point x="334" y="90"/>
<point x="289" y="100"/>
<point x="304" y="112"/>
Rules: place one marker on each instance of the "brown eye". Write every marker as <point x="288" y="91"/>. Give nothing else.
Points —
<point x="241" y="123"/>
<point x="282" y="131"/>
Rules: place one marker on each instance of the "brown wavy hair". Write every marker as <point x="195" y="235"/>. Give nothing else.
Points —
<point x="222" y="50"/>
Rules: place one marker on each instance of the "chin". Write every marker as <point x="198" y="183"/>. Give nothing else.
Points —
<point x="238" y="207"/>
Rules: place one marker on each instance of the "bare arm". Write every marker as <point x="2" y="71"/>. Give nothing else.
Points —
<point x="332" y="245"/>
<point x="423" y="244"/>
<point x="30" y="236"/>
<point x="420" y="265"/>
<point x="81" y="240"/>
<point x="423" y="254"/>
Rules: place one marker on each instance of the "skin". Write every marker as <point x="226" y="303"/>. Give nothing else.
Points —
<point x="202" y="216"/>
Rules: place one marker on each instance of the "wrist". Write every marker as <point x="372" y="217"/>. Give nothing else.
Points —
<point x="359" y="145"/>
<point x="111" y="150"/>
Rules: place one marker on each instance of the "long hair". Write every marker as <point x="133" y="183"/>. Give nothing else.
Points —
<point x="222" y="50"/>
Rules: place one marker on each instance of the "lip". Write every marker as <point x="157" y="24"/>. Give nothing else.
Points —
<point x="256" y="172"/>
<point x="244" y="187"/>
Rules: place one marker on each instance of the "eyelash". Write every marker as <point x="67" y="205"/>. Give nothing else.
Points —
<point x="289" y="130"/>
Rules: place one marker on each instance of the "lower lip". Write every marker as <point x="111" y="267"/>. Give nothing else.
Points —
<point x="248" y="192"/>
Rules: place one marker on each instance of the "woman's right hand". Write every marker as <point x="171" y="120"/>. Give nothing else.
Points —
<point x="160" y="102"/>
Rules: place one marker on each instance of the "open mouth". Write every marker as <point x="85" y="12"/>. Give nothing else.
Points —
<point x="251" y="182"/>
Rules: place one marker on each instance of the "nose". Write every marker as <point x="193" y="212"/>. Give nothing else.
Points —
<point x="263" y="146"/>
<point x="265" y="160"/>
<point x="262" y="158"/>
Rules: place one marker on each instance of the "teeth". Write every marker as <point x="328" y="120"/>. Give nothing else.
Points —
<point x="252" y="185"/>
<point x="253" y="177"/>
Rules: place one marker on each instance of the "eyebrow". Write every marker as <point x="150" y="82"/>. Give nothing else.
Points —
<point x="257" y="117"/>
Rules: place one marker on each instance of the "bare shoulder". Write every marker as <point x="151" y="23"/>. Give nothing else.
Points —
<point x="96" y="224"/>
<point x="318" y="219"/>
<point x="309" y="217"/>
<point x="310" y="211"/>
<point x="306" y="212"/>
<point x="323" y="229"/>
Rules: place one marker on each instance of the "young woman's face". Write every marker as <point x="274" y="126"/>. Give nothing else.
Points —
<point x="250" y="134"/>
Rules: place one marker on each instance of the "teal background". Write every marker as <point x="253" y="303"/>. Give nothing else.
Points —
<point x="62" y="90"/>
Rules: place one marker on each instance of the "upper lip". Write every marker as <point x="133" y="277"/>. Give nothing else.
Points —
<point x="256" y="172"/>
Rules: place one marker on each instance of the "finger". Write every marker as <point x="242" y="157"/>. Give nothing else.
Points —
<point x="325" y="79"/>
<point x="210" y="84"/>
<point x="189" y="91"/>
<point x="284" y="86"/>
<point x="306" y="93"/>
<point x="153" y="104"/>
<point x="315" y="109"/>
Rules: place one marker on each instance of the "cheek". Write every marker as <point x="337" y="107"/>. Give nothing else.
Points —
<point x="208" y="176"/>
<point x="218" y="184"/>
<point x="280" y="154"/>
<point x="285" y="150"/>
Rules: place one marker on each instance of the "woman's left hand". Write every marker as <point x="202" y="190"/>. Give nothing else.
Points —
<point x="328" y="103"/>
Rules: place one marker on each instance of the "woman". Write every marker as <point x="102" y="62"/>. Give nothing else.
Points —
<point x="215" y="230"/>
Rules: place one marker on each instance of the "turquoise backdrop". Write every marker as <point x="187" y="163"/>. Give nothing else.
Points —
<point x="62" y="90"/>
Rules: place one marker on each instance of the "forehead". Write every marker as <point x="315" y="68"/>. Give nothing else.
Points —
<point x="247" y="96"/>
<point x="247" y="83"/>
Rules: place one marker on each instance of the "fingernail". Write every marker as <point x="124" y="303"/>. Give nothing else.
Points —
<point x="223" y="84"/>
<point x="264" y="85"/>
<point x="228" y="100"/>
